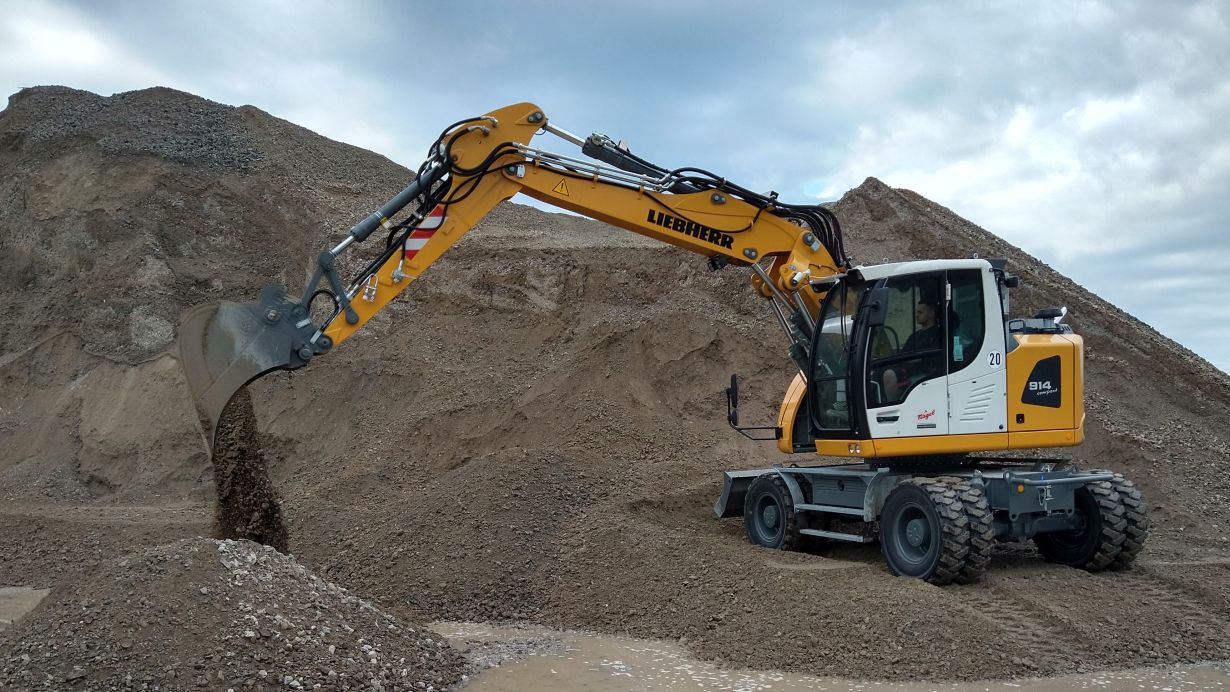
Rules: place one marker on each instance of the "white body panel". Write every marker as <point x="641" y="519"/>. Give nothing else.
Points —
<point x="923" y="412"/>
<point x="969" y="401"/>
<point x="978" y="405"/>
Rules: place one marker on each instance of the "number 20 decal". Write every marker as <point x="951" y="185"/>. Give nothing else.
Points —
<point x="995" y="359"/>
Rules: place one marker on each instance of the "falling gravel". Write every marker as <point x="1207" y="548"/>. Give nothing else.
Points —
<point x="248" y="507"/>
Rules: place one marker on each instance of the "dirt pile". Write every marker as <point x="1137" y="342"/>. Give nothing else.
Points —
<point x="536" y="430"/>
<point x="218" y="614"/>
<point x="116" y="214"/>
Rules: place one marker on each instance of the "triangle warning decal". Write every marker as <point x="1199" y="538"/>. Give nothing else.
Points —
<point x="562" y="188"/>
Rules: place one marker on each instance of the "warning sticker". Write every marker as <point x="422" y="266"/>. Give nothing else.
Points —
<point x="562" y="188"/>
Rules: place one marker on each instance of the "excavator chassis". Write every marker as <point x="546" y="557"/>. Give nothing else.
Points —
<point x="941" y="525"/>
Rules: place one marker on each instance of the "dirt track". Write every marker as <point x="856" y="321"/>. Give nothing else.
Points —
<point x="537" y="433"/>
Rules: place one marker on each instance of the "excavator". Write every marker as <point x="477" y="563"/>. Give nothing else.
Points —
<point x="915" y="390"/>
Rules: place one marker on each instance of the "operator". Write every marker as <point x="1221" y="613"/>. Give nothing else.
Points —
<point x="926" y="315"/>
<point x="925" y="338"/>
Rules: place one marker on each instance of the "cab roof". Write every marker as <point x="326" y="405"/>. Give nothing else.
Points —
<point x="872" y="272"/>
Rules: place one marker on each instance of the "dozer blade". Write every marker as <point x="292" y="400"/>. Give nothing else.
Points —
<point x="224" y="346"/>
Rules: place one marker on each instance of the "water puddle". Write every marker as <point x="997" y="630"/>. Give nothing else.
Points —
<point x="16" y="601"/>
<point x="537" y="658"/>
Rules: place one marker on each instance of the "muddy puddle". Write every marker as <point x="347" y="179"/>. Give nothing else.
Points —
<point x="508" y="659"/>
<point x="16" y="601"/>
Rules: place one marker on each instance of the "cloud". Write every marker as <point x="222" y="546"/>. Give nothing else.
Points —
<point x="44" y="43"/>
<point x="1090" y="134"/>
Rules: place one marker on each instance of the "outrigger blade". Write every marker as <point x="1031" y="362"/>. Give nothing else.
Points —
<point x="224" y="346"/>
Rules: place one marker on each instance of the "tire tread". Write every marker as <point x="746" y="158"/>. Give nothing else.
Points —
<point x="791" y="538"/>
<point x="954" y="527"/>
<point x="1136" y="518"/>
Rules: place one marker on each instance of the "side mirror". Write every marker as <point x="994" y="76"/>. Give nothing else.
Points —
<point x="732" y="415"/>
<point x="877" y="307"/>
<point x="732" y="401"/>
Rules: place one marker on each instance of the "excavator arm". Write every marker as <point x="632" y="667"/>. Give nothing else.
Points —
<point x="474" y="165"/>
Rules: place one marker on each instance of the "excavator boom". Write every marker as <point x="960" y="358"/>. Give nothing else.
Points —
<point x="474" y="165"/>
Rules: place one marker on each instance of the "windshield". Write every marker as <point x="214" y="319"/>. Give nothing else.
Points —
<point x="830" y="374"/>
<point x="836" y="329"/>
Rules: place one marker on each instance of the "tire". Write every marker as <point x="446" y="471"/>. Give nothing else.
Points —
<point x="768" y="514"/>
<point x="1099" y="541"/>
<point x="981" y="531"/>
<point x="924" y="532"/>
<point x="1137" y="517"/>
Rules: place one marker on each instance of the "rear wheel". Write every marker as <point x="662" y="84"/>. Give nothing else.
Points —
<point x="768" y="514"/>
<point x="924" y="532"/>
<point x="1098" y="541"/>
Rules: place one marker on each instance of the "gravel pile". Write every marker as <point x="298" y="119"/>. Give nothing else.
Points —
<point x="213" y="614"/>
<point x="191" y="131"/>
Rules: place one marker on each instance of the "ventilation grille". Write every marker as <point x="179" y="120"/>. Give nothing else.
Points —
<point x="978" y="403"/>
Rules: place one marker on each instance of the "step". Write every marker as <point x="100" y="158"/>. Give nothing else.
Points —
<point x="851" y="537"/>
<point x="832" y="509"/>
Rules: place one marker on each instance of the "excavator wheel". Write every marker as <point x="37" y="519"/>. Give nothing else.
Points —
<point x="1099" y="541"/>
<point x="768" y="514"/>
<point x="981" y="530"/>
<point x="1137" y="517"/>
<point x="924" y="531"/>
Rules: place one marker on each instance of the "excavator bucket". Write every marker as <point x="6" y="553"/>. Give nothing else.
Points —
<point x="224" y="346"/>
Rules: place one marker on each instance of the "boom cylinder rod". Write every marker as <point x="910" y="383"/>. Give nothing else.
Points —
<point x="802" y="309"/>
<point x="764" y="276"/>
<point x="416" y="187"/>
<point x="563" y="134"/>
<point x="777" y="310"/>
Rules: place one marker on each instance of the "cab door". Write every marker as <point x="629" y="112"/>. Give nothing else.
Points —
<point x="977" y="373"/>
<point x="905" y="380"/>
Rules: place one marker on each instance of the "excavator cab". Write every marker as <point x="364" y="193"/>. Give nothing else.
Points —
<point x="913" y="358"/>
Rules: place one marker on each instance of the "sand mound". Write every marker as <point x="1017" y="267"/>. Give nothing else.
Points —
<point x="218" y="614"/>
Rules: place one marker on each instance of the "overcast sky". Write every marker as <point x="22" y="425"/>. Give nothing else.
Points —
<point x="1095" y="135"/>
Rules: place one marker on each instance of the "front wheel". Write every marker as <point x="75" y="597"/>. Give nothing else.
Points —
<point x="924" y="531"/>
<point x="768" y="514"/>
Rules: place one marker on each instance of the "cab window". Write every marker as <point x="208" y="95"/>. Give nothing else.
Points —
<point x="966" y="318"/>
<point x="909" y="347"/>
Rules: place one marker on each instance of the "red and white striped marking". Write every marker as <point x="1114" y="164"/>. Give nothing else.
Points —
<point x="423" y="232"/>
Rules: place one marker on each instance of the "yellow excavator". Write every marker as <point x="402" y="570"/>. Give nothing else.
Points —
<point x="913" y="381"/>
